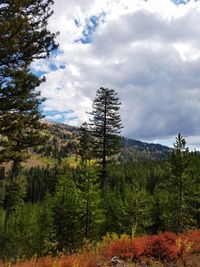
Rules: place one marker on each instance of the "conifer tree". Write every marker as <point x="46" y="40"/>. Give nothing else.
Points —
<point x="91" y="215"/>
<point x="24" y="37"/>
<point x="66" y="211"/>
<point x="105" y="127"/>
<point x="178" y="183"/>
<point x="85" y="144"/>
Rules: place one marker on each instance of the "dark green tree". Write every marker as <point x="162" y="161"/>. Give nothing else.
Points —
<point x="45" y="235"/>
<point x="137" y="208"/>
<point x="66" y="208"/>
<point x="178" y="183"/>
<point x="24" y="37"/>
<point x="105" y="125"/>
<point x="85" y="144"/>
<point x="91" y="212"/>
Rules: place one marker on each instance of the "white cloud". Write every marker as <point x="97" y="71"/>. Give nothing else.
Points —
<point x="149" y="51"/>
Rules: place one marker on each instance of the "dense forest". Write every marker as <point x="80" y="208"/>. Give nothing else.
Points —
<point x="62" y="186"/>
<point x="59" y="203"/>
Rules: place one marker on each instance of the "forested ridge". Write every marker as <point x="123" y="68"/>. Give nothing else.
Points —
<point x="58" y="202"/>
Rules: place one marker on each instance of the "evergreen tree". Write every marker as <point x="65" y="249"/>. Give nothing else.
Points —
<point x="159" y="212"/>
<point x="85" y="144"/>
<point x="23" y="38"/>
<point x="13" y="203"/>
<point x="105" y="127"/>
<point x="66" y="208"/>
<point x="91" y="215"/>
<point x="178" y="183"/>
<point x="137" y="202"/>
<point x="45" y="236"/>
<point x="114" y="212"/>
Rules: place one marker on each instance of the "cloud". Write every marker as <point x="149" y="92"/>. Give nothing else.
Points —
<point x="148" y="51"/>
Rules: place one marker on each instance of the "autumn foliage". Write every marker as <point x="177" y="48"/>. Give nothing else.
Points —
<point x="165" y="247"/>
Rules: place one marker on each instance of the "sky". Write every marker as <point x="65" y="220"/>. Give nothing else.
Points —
<point x="147" y="50"/>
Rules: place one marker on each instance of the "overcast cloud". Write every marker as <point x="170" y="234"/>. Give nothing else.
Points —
<point x="148" y="51"/>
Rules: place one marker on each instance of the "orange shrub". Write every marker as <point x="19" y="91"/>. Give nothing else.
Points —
<point x="163" y="247"/>
<point x="119" y="248"/>
<point x="127" y="248"/>
<point x="194" y="237"/>
<point x="140" y="244"/>
<point x="166" y="247"/>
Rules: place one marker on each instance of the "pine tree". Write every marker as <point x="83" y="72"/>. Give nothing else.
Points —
<point x="105" y="127"/>
<point x="137" y="205"/>
<point x="91" y="212"/>
<point x="23" y="38"/>
<point x="178" y="183"/>
<point x="46" y="242"/>
<point x="23" y="34"/>
<point x="66" y="208"/>
<point x="85" y="144"/>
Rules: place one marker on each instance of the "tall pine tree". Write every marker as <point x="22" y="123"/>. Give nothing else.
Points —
<point x="24" y="37"/>
<point x="178" y="184"/>
<point x="105" y="127"/>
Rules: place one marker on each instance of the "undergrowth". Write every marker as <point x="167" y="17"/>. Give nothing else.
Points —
<point x="164" y="249"/>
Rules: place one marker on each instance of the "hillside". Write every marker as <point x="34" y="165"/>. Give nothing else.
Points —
<point x="61" y="141"/>
<point x="66" y="137"/>
<point x="141" y="150"/>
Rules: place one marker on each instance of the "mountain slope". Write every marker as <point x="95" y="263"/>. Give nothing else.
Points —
<point x="61" y="141"/>
<point x="67" y="139"/>
<point x="136" y="149"/>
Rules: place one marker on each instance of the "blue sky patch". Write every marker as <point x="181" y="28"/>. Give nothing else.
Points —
<point x="58" y="116"/>
<point x="90" y="28"/>
<point x="50" y="63"/>
<point x="52" y="67"/>
<point x="38" y="73"/>
<point x="179" y="2"/>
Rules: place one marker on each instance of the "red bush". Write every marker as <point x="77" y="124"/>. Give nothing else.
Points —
<point x="165" y="247"/>
<point x="162" y="247"/>
<point x="194" y="237"/>
<point x="119" y="248"/>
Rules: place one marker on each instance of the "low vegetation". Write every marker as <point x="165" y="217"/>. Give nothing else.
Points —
<point x="164" y="249"/>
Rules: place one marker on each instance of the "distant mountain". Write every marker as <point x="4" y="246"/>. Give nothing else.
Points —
<point x="134" y="149"/>
<point x="61" y="140"/>
<point x="67" y="138"/>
